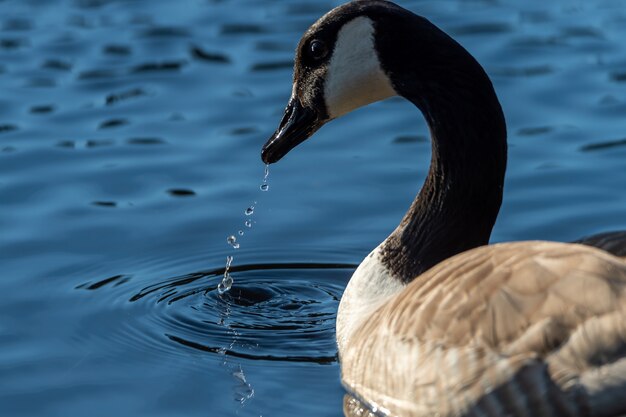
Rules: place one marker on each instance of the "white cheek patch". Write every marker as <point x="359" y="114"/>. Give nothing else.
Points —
<point x="355" y="77"/>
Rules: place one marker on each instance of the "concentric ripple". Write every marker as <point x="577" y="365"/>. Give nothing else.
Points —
<point x="275" y="312"/>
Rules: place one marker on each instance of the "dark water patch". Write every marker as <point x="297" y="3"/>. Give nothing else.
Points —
<point x="582" y="32"/>
<point x="244" y="131"/>
<point x="124" y="95"/>
<point x="141" y="19"/>
<point x="273" y="46"/>
<point x="79" y="21"/>
<point x="99" y="143"/>
<point x="523" y="71"/>
<point x="88" y="144"/>
<point x="7" y="127"/>
<point x="608" y="100"/>
<point x="107" y="124"/>
<point x="42" y="109"/>
<point x="538" y="41"/>
<point x="108" y="204"/>
<point x="618" y="76"/>
<point x="91" y="4"/>
<point x="56" y="64"/>
<point x="492" y="28"/>
<point x="603" y="145"/>
<point x="165" y="32"/>
<point x="17" y="24"/>
<point x="241" y="29"/>
<point x="13" y="43"/>
<point x="146" y="141"/>
<point x="176" y="117"/>
<point x="115" y="49"/>
<point x="535" y="16"/>
<point x="181" y="192"/>
<point x="533" y="131"/>
<point x="8" y="149"/>
<point x="273" y="66"/>
<point x="41" y="82"/>
<point x="97" y="74"/>
<point x="69" y="144"/>
<point x="243" y="93"/>
<point x="203" y="55"/>
<point x="69" y="44"/>
<point x="248" y="296"/>
<point x="159" y="66"/>
<point x="548" y="166"/>
<point x="116" y="280"/>
<point x="406" y="139"/>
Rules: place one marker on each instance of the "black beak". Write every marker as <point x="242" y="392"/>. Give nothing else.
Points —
<point x="297" y="125"/>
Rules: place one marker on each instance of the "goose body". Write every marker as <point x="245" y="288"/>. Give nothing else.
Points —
<point x="435" y="322"/>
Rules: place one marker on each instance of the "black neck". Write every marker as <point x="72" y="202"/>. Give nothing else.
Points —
<point x="460" y="199"/>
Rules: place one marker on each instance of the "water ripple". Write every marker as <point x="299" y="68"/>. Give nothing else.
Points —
<point x="275" y="312"/>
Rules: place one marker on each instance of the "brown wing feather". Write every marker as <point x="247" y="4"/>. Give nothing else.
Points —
<point x="527" y="328"/>
<point x="612" y="242"/>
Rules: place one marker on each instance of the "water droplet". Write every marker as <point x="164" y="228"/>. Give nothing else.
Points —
<point x="264" y="186"/>
<point x="248" y="223"/>
<point x="232" y="241"/>
<point x="240" y="233"/>
<point x="225" y="285"/>
<point x="249" y="211"/>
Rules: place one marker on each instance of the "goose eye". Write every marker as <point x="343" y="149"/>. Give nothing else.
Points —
<point x="318" y="49"/>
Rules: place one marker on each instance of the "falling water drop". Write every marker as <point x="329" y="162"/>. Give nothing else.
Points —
<point x="225" y="284"/>
<point x="227" y="281"/>
<point x="265" y="186"/>
<point x="232" y="241"/>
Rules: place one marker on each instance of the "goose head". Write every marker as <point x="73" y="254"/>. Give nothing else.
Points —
<point x="369" y="50"/>
<point x="337" y="70"/>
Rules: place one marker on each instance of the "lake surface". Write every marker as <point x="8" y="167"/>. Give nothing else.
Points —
<point x="130" y="137"/>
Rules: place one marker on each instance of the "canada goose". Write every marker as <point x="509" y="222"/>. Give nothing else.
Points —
<point x="435" y="322"/>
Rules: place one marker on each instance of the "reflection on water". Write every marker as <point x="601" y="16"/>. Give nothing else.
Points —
<point x="130" y="134"/>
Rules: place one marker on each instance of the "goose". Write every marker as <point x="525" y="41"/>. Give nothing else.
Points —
<point x="435" y="321"/>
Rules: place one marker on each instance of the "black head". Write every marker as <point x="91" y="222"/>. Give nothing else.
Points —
<point x="337" y="70"/>
<point x="362" y="52"/>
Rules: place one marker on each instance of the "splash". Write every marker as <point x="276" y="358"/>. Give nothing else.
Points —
<point x="227" y="280"/>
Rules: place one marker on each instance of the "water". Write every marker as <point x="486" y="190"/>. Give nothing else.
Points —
<point x="227" y="280"/>
<point x="130" y="136"/>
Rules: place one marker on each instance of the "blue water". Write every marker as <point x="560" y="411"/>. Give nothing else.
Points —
<point x="130" y="134"/>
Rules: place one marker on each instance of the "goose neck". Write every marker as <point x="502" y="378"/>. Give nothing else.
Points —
<point x="458" y="204"/>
